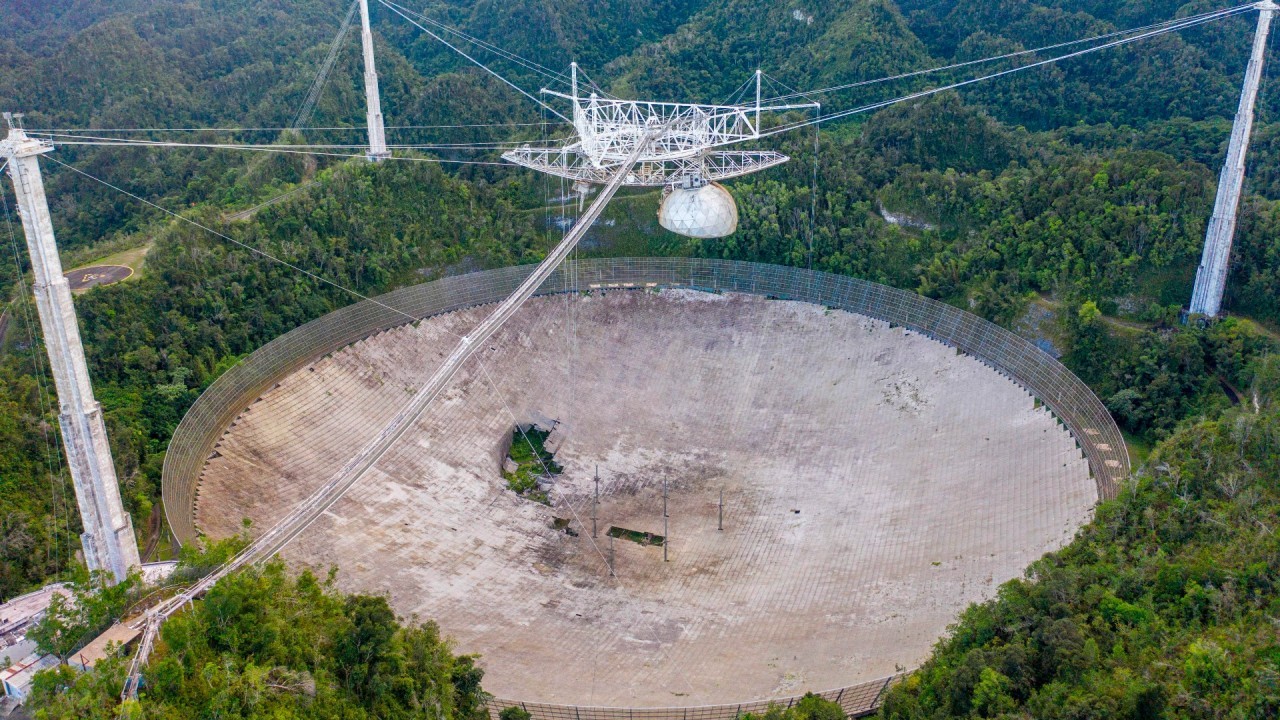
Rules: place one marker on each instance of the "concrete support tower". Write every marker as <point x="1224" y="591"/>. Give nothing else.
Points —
<point x="108" y="539"/>
<point x="1211" y="277"/>
<point x="373" y="102"/>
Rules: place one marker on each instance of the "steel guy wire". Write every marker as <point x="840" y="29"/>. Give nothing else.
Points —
<point x="500" y="52"/>
<point x="53" y="456"/>
<point x="933" y="91"/>
<point x="1212" y="15"/>
<point x="234" y="241"/>
<point x="317" y="87"/>
<point x="474" y="61"/>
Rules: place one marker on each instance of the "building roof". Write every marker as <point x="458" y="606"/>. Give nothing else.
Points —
<point x="19" y="612"/>
<point x="17" y="651"/>
<point x="119" y="634"/>
<point x="20" y="673"/>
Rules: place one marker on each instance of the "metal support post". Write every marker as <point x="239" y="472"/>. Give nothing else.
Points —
<point x="373" y="101"/>
<point x="666" y="534"/>
<point x="108" y="539"/>
<point x="720" y="525"/>
<point x="595" y="505"/>
<point x="1211" y="276"/>
<point x="759" y="74"/>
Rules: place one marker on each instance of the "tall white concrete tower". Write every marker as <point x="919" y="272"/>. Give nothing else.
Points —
<point x="108" y="539"/>
<point x="1211" y="276"/>
<point x="373" y="101"/>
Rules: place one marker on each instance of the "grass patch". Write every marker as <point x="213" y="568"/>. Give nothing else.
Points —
<point x="125" y="250"/>
<point x="635" y="536"/>
<point x="133" y="258"/>
<point x="533" y="463"/>
<point x="1258" y="326"/>
<point x="1139" y="448"/>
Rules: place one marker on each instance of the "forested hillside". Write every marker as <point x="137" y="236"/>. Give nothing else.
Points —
<point x="264" y="644"/>
<point x="1111" y="212"/>
<point x="1068" y="202"/>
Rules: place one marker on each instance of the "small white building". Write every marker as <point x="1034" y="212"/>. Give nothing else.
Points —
<point x="17" y="677"/>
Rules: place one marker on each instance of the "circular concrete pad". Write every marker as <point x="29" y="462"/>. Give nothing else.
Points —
<point x="95" y="275"/>
<point x="875" y="483"/>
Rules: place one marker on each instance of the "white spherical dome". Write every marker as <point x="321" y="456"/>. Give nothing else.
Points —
<point x="705" y="212"/>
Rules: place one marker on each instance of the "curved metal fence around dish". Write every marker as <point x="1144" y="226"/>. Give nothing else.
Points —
<point x="856" y="700"/>
<point x="1015" y="357"/>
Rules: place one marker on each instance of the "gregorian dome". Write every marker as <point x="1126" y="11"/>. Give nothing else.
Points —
<point x="708" y="211"/>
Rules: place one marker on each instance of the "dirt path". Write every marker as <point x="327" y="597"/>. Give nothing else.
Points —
<point x="1117" y="323"/>
<point x="153" y="534"/>
<point x="246" y="214"/>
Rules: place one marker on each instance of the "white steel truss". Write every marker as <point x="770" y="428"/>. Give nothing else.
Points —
<point x="570" y="162"/>
<point x="609" y="130"/>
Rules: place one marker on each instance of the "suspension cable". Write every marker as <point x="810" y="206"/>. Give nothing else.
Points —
<point x="1212" y="15"/>
<point x="317" y="87"/>
<point x="528" y="64"/>
<point x="795" y="93"/>
<point x="934" y="91"/>
<point x="736" y="94"/>
<point x="590" y="81"/>
<point x="394" y="8"/>
<point x="79" y="139"/>
<point x="284" y="151"/>
<point x="246" y="246"/>
<point x="46" y="131"/>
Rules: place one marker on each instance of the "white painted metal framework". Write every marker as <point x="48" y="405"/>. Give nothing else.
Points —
<point x="1211" y="276"/>
<point x="609" y="130"/>
<point x="108" y="539"/>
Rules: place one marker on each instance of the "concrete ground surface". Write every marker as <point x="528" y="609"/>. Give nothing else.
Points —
<point x="875" y="483"/>
<point x="18" y="614"/>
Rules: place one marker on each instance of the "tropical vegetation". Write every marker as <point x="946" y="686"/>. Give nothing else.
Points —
<point x="1068" y="203"/>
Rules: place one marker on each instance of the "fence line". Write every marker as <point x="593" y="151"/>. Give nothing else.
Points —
<point x="856" y="701"/>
